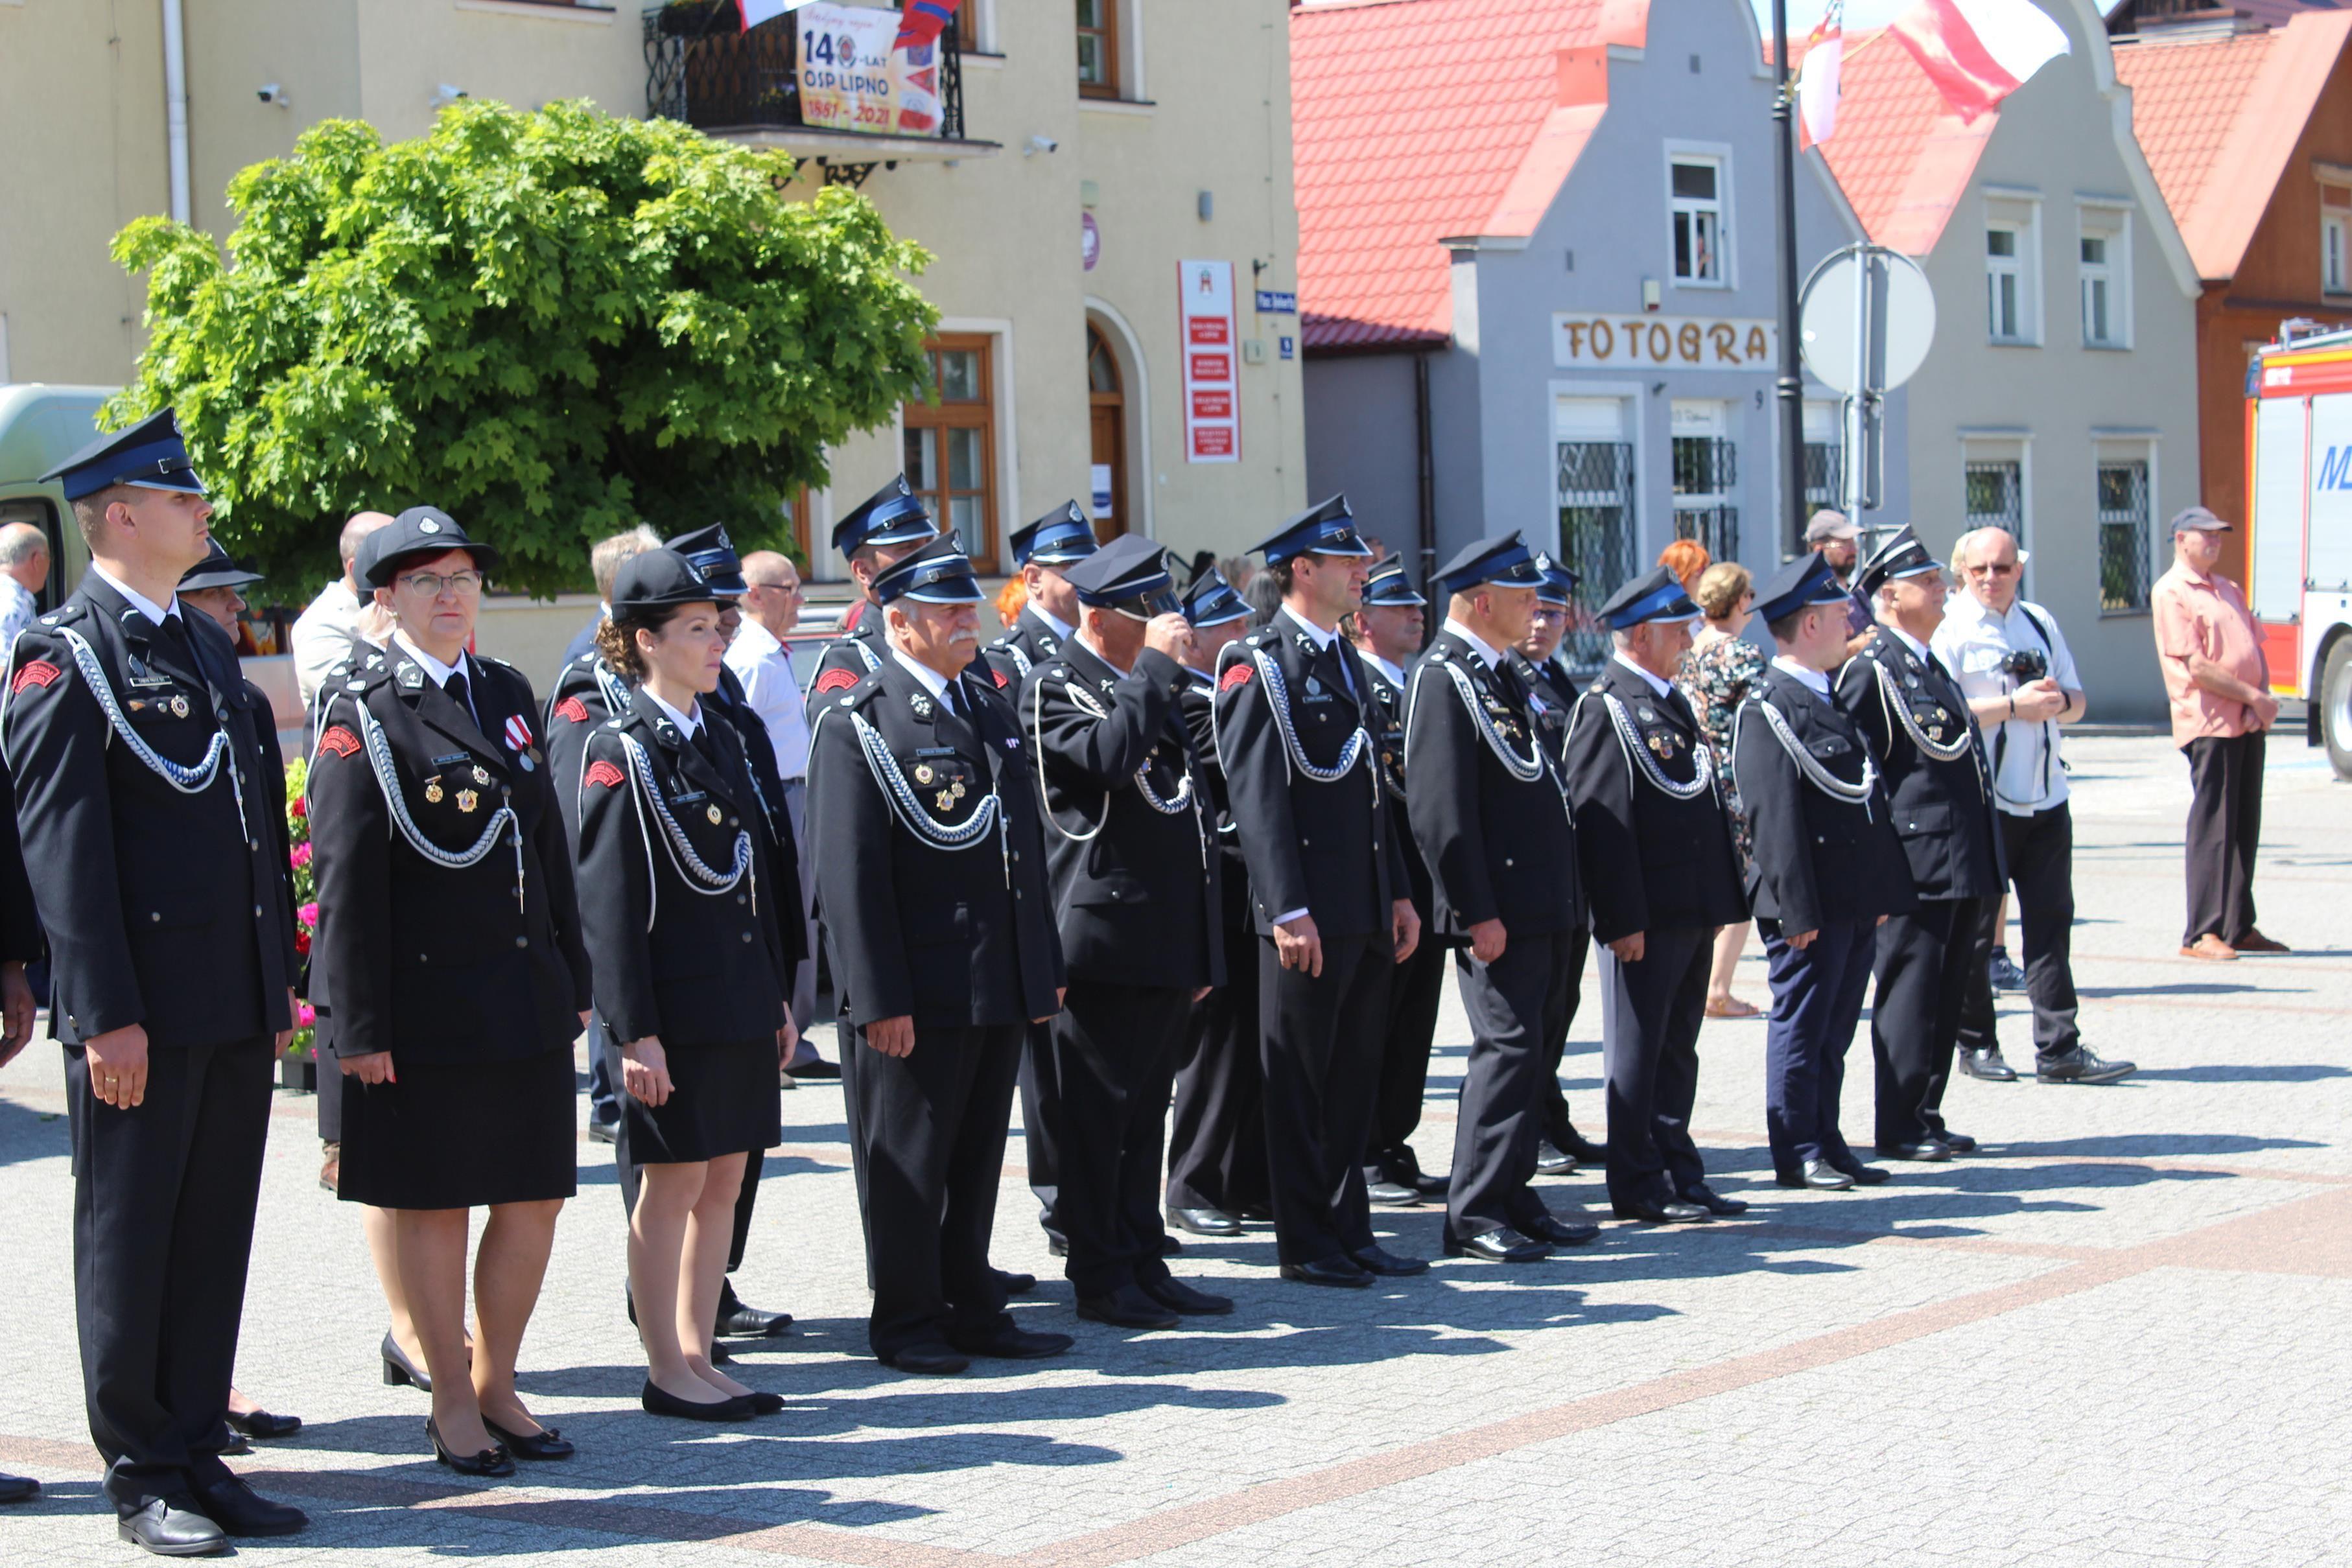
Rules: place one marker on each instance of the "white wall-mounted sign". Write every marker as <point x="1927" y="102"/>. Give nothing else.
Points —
<point x="1584" y="341"/>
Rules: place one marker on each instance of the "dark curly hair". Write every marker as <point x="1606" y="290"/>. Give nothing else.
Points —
<point x="616" y="638"/>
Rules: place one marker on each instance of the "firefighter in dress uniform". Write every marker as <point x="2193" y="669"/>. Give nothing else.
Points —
<point x="883" y="528"/>
<point x="1130" y="844"/>
<point x="1662" y="873"/>
<point x="133" y="746"/>
<point x="1493" y="822"/>
<point x="1827" y="871"/>
<point x="1332" y="899"/>
<point x="931" y="881"/>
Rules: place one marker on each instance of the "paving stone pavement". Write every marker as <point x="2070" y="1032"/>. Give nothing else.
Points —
<point x="2121" y="1335"/>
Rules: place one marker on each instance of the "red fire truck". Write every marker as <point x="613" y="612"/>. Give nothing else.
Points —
<point x="2299" y="527"/>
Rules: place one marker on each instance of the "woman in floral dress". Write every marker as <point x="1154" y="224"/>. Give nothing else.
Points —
<point x="1715" y="676"/>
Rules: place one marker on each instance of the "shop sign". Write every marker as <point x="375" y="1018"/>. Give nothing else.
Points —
<point x="1637" y="339"/>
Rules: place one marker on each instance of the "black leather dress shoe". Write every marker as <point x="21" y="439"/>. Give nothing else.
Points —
<point x="1551" y="1162"/>
<point x="398" y="1369"/>
<point x="547" y="1443"/>
<point x="737" y="1320"/>
<point x="238" y="1508"/>
<point x="1431" y="1185"/>
<point x="816" y="1068"/>
<point x="1823" y="1177"/>
<point x="1659" y="1211"/>
<point x="1263" y="1213"/>
<point x="1583" y="1150"/>
<point x="172" y="1527"/>
<point x="1503" y="1245"/>
<point x="927" y="1361"/>
<point x="1204" y="1222"/>
<point x="1863" y="1176"/>
<point x="1392" y="1195"/>
<point x="1179" y="1297"/>
<point x="1127" y="1308"/>
<point x="604" y="1131"/>
<point x="1925" y="1150"/>
<point x="1016" y="1284"/>
<point x="1712" y="1201"/>
<point x="1560" y="1232"/>
<point x="18" y="1489"/>
<point x="490" y="1462"/>
<point x="655" y="1401"/>
<point x="1958" y="1143"/>
<point x="1987" y="1064"/>
<point x="1378" y="1260"/>
<point x="1340" y="1272"/>
<point x="1168" y="1246"/>
<point x="1006" y="1343"/>
<point x="262" y="1424"/>
<point x="2080" y="1065"/>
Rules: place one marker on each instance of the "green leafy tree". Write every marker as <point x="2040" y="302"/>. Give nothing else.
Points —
<point x="553" y="325"/>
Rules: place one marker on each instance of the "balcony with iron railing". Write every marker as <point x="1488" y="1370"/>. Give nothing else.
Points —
<point x="703" y="68"/>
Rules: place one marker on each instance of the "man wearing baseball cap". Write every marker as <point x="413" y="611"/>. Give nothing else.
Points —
<point x="1832" y="535"/>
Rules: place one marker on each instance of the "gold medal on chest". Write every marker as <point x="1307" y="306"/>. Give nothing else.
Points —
<point x="923" y="774"/>
<point x="714" y="813"/>
<point x="944" y="800"/>
<point x="955" y="790"/>
<point x="433" y="790"/>
<point x="481" y="774"/>
<point x="179" y="707"/>
<point x="468" y="801"/>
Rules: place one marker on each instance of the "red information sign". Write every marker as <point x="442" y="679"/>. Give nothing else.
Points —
<point x="1205" y="310"/>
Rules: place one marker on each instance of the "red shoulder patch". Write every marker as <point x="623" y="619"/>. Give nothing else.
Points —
<point x="835" y="680"/>
<point x="339" y="740"/>
<point x="604" y="773"/>
<point x="1239" y="676"/>
<point x="39" y="673"/>
<point x="1001" y="682"/>
<point x="573" y="709"/>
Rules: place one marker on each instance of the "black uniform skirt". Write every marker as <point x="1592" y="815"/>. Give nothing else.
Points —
<point x="723" y="1099"/>
<point x="460" y="1136"/>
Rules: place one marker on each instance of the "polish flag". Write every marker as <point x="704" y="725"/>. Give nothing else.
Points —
<point x="758" y="11"/>
<point x="1978" y="52"/>
<point x="922" y="21"/>
<point x="1817" y="75"/>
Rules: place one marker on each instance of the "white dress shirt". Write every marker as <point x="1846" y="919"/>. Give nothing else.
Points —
<point x="438" y="673"/>
<point x="19" y="609"/>
<point x="1663" y="688"/>
<point x="1974" y="643"/>
<point x="1486" y="651"/>
<point x="1815" y="681"/>
<point x="933" y="682"/>
<point x="139" y="602"/>
<point x="1053" y="624"/>
<point x="773" y="691"/>
<point x="324" y="636"/>
<point x="1395" y="673"/>
<point x="688" y="724"/>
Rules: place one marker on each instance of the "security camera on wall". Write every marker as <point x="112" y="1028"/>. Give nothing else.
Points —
<point x="275" y="96"/>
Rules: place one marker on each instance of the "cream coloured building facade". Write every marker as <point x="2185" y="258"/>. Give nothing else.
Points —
<point x="1103" y="143"/>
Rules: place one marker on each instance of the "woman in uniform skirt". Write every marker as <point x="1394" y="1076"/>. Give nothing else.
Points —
<point x="450" y="943"/>
<point x="691" y="974"/>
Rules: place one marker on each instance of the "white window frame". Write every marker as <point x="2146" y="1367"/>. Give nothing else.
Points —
<point x="2018" y="214"/>
<point x="2335" y="238"/>
<point x="2109" y="221"/>
<point x="1717" y="156"/>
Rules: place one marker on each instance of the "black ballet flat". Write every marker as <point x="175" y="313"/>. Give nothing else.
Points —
<point x="262" y="1424"/>
<point x="547" y="1443"/>
<point x="661" y="1402"/>
<point x="398" y="1369"/>
<point x="764" y="1403"/>
<point x="492" y="1461"/>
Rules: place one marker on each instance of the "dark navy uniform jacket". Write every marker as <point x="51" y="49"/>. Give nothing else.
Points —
<point x="1825" y="849"/>
<point x="955" y="936"/>
<point x="439" y="963"/>
<point x="161" y="908"/>
<point x="1129" y="831"/>
<point x="849" y="658"/>
<point x="1942" y="805"/>
<point x="1025" y="644"/>
<point x="1388" y="705"/>
<point x="682" y="902"/>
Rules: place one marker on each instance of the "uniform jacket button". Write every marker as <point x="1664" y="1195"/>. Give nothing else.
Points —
<point x="256" y="912"/>
<point x="747" y="937"/>
<point x="740" y="898"/>
<point x="156" y="916"/>
<point x="522" y="941"/>
<point x="1507" y="861"/>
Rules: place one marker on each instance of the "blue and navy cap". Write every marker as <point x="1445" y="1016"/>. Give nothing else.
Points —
<point x="1503" y="560"/>
<point x="217" y="569"/>
<point x="938" y="573"/>
<point x="1211" y="601"/>
<point x="418" y="533"/>
<point x="1655" y="595"/>
<point x="1558" y="583"/>
<point x="657" y="579"/>
<point x="1901" y="556"/>
<point x="893" y="514"/>
<point x="713" y="554"/>
<point x="1057" y="538"/>
<point x="1388" y="585"/>
<point x="1801" y="584"/>
<point x="149" y="455"/>
<point x="1328" y="527"/>
<point x="1129" y="573"/>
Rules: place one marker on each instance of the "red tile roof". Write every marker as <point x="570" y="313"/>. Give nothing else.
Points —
<point x="2218" y="120"/>
<point x="1414" y="120"/>
<point x="1900" y="157"/>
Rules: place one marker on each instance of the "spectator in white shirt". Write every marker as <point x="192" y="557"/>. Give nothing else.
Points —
<point x="772" y="689"/>
<point x="23" y="572"/>
<point x="1994" y="643"/>
<point x="337" y="621"/>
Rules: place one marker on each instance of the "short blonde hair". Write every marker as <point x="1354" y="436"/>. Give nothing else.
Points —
<point x="1720" y="588"/>
<point x="604" y="557"/>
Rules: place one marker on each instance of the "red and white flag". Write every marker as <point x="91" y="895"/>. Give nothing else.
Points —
<point x="758" y="11"/>
<point x="1817" y="75"/>
<point x="1978" y="52"/>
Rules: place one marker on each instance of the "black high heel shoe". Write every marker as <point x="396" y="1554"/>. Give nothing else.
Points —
<point x="398" y="1369"/>
<point x="660" y="1402"/>
<point x="547" y="1443"/>
<point x="491" y="1462"/>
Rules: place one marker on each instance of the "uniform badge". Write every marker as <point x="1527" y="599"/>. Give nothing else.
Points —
<point x="713" y="813"/>
<point x="179" y="707"/>
<point x="921" y="705"/>
<point x="944" y="800"/>
<point x="604" y="773"/>
<point x="518" y="735"/>
<point x="923" y="774"/>
<point x="338" y="741"/>
<point x="955" y="790"/>
<point x="1238" y="676"/>
<point x="481" y="774"/>
<point x="1647" y="716"/>
<point x="571" y="710"/>
<point x="1911" y="679"/>
<point x="1935" y="732"/>
<point x="468" y="801"/>
<point x="432" y="791"/>
<point x="834" y="680"/>
<point x="1314" y="688"/>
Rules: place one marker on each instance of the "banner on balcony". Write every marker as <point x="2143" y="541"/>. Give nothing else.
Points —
<point x="848" y="79"/>
<point x="1212" y="350"/>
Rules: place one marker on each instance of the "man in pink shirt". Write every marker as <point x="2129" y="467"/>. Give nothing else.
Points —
<point x="2218" y="684"/>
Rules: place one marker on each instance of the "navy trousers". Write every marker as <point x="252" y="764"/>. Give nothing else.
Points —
<point x="1816" y="1003"/>
<point x="1651" y="1013"/>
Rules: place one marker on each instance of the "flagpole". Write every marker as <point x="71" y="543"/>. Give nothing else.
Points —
<point x="1790" y="386"/>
